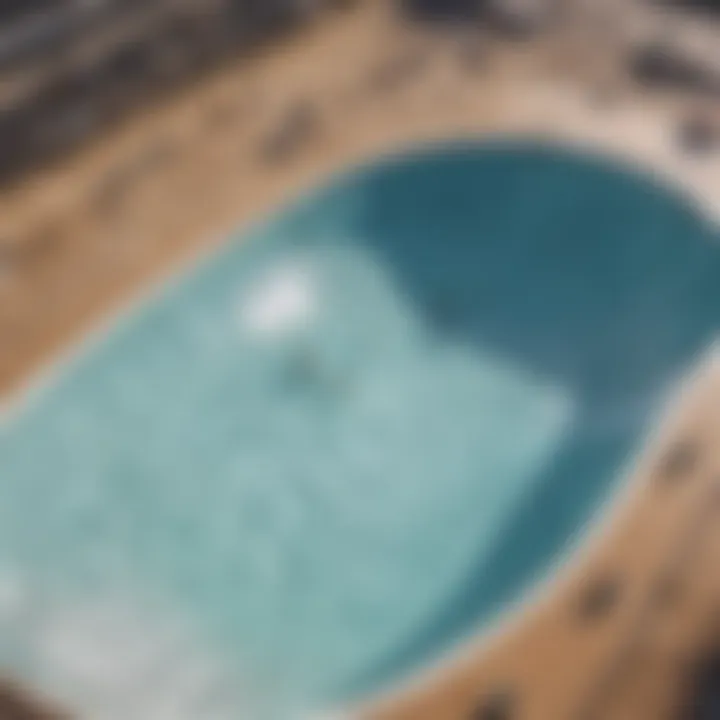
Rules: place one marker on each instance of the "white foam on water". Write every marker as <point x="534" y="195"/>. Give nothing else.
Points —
<point x="283" y="301"/>
<point x="111" y="659"/>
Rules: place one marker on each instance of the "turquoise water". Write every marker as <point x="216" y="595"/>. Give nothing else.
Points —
<point x="357" y="433"/>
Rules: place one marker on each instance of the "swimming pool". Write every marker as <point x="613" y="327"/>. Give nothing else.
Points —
<point x="349" y="439"/>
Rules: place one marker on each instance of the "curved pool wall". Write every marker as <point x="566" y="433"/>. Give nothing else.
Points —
<point x="356" y="434"/>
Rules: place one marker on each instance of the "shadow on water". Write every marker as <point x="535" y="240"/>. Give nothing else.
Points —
<point x="589" y="276"/>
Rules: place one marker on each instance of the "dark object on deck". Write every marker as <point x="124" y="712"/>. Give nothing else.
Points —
<point x="699" y="135"/>
<point x="393" y="73"/>
<point x="15" y="704"/>
<point x="442" y="10"/>
<point x="295" y="128"/>
<point x="497" y="706"/>
<point x="705" y="5"/>
<point x="518" y="19"/>
<point x="659" y="65"/>
<point x="11" y="9"/>
<point x="510" y="17"/>
<point x="703" y="701"/>
<point x="680" y="460"/>
<point x="599" y="598"/>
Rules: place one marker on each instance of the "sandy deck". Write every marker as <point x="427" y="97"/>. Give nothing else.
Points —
<point x="83" y="239"/>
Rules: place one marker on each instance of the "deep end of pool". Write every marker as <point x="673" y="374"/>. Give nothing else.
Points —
<point x="355" y="436"/>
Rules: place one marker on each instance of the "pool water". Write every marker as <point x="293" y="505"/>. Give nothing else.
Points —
<point x="348" y="440"/>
